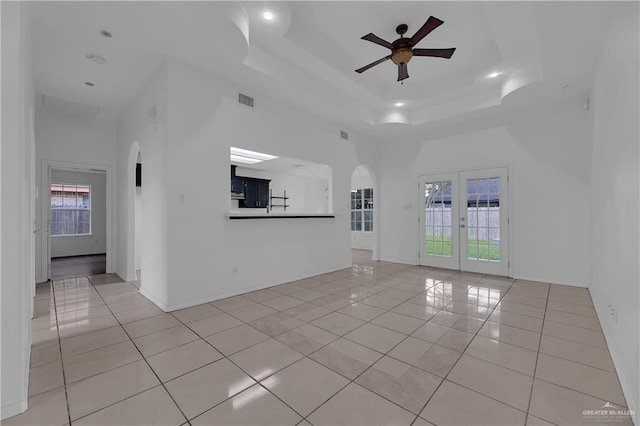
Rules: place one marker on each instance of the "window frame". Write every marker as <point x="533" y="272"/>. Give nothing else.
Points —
<point x="76" y="209"/>
<point x="361" y="207"/>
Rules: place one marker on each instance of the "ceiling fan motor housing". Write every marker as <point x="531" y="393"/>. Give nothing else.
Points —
<point x="401" y="55"/>
<point x="402" y="51"/>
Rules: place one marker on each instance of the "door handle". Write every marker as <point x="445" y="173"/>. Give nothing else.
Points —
<point x="462" y="225"/>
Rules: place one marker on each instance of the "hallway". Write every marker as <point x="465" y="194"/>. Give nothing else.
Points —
<point x="78" y="266"/>
<point x="377" y="343"/>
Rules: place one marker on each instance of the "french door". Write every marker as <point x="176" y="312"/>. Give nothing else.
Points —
<point x="464" y="221"/>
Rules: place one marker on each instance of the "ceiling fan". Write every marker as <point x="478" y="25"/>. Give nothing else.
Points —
<point x="402" y="50"/>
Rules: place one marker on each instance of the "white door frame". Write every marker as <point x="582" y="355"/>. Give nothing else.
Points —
<point x="505" y="195"/>
<point x="33" y="195"/>
<point x="452" y="262"/>
<point x="130" y="191"/>
<point x="45" y="198"/>
<point x="482" y="266"/>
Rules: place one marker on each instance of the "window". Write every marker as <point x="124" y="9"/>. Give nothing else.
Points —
<point x="70" y="209"/>
<point x="362" y="210"/>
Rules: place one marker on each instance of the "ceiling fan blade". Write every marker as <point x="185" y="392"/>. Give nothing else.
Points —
<point x="431" y="24"/>
<point x="377" y="40"/>
<point x="438" y="53"/>
<point x="402" y="72"/>
<point x="373" y="64"/>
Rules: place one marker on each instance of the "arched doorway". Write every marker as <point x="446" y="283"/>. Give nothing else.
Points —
<point x="134" y="215"/>
<point x="137" y="240"/>
<point x="364" y="214"/>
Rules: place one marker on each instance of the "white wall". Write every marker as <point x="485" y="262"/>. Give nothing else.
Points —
<point x="62" y="138"/>
<point x="96" y="243"/>
<point x="614" y="204"/>
<point x="203" y="246"/>
<point x="360" y="179"/>
<point x="547" y="150"/>
<point x="306" y="194"/>
<point x="16" y="227"/>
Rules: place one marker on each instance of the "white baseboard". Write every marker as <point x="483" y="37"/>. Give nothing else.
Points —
<point x="214" y="297"/>
<point x="14" y="408"/>
<point x="558" y="282"/>
<point x="614" y="350"/>
<point x="400" y="261"/>
<point x="156" y="301"/>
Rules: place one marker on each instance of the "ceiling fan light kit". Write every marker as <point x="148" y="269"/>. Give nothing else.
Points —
<point x="402" y="50"/>
<point x="402" y="56"/>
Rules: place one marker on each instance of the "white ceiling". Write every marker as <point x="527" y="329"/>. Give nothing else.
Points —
<point x="306" y="56"/>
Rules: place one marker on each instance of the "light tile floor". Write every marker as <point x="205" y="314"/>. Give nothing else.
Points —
<point x="379" y="343"/>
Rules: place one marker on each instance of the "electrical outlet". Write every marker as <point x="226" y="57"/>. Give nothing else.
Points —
<point x="234" y="270"/>
<point x="613" y="315"/>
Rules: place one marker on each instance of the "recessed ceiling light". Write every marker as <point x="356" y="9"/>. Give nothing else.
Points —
<point x="399" y="104"/>
<point x="96" y="59"/>
<point x="268" y="15"/>
<point x="88" y="83"/>
<point x="105" y="33"/>
<point x="494" y="74"/>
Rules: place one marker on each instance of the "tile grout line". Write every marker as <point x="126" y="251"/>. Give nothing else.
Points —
<point x="450" y="328"/>
<point x="386" y="354"/>
<point x="143" y="357"/>
<point x="444" y="379"/>
<point x="202" y="338"/>
<point x="257" y="382"/>
<point x="577" y="391"/>
<point x="575" y="362"/>
<point x="370" y="321"/>
<point x="578" y="326"/>
<point x="537" y="356"/>
<point x="64" y="376"/>
<point x="309" y="322"/>
<point x="227" y="357"/>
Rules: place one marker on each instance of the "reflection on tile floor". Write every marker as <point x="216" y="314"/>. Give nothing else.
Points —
<point x="379" y="343"/>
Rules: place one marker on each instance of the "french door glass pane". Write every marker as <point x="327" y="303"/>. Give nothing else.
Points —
<point x="483" y="219"/>
<point x="356" y="221"/>
<point x="368" y="198"/>
<point x="356" y="199"/>
<point x="368" y="220"/>
<point x="438" y="218"/>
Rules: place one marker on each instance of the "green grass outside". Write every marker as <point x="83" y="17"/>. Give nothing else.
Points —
<point x="476" y="249"/>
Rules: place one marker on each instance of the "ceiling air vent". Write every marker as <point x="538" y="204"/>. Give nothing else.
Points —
<point x="344" y="135"/>
<point x="245" y="100"/>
